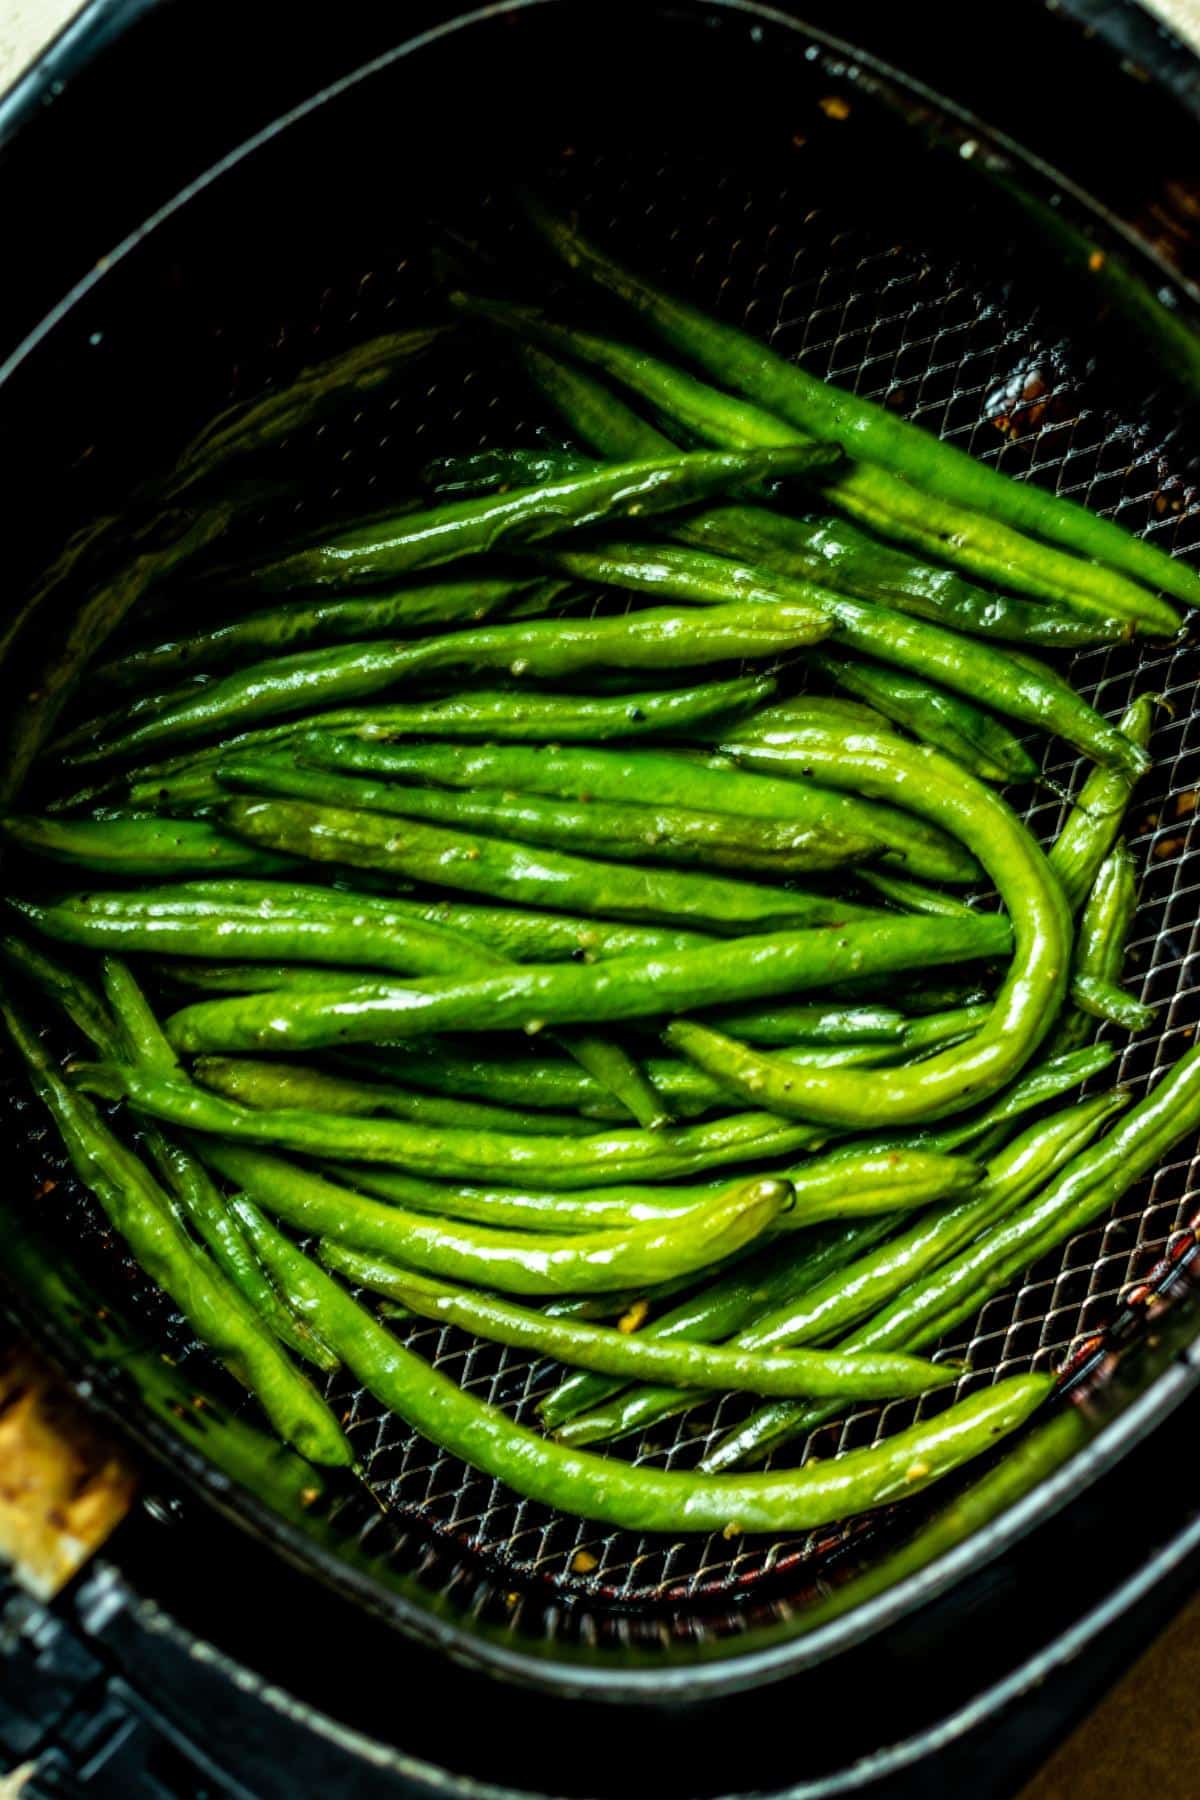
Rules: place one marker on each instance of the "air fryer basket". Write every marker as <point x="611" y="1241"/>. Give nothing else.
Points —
<point x="784" y="186"/>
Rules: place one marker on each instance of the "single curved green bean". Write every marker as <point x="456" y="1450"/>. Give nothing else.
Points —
<point x="627" y="988"/>
<point x="507" y="869"/>
<point x="930" y="783"/>
<point x="456" y="1154"/>
<point x="816" y="1024"/>
<point x="640" y="1499"/>
<point x="1105" y="1000"/>
<point x="911" y="895"/>
<point x="674" y="780"/>
<point x="612" y="1352"/>
<point x="139" y="1210"/>
<point x="948" y="721"/>
<point x="1095" y="820"/>
<point x="538" y="649"/>
<point x="637" y="831"/>
<point x="137" y="846"/>
<point x="518" y="1262"/>
<point x="1007" y="682"/>
<point x="297" y="624"/>
<point x="619" y="1075"/>
<point x="271" y="1085"/>
<point x="894" y="452"/>
<point x="384" y="549"/>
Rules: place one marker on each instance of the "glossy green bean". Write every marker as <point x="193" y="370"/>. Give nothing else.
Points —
<point x="1095" y="820"/>
<point x="1105" y="1000"/>
<point x="541" y="649"/>
<point x="948" y="721"/>
<point x="614" y="1352"/>
<point x="456" y="1154"/>
<point x="674" y="780"/>
<point x="1022" y="690"/>
<point x="382" y="550"/>
<point x="139" y="1210"/>
<point x="785" y="1024"/>
<point x="518" y="1262"/>
<point x="298" y="624"/>
<point x="271" y="1085"/>
<point x="619" y="1075"/>
<point x="504" y="868"/>
<point x="138" y="846"/>
<point x="893" y="451"/>
<point x="625" y="988"/>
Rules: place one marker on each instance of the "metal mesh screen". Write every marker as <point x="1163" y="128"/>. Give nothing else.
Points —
<point x="892" y="311"/>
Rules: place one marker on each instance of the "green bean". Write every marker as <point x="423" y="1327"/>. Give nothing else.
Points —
<point x="71" y="994"/>
<point x="618" y="1074"/>
<point x="895" y="453"/>
<point x="911" y="895"/>
<point x="137" y="846"/>
<point x="674" y="780"/>
<point x="384" y="549"/>
<point x="506" y="869"/>
<point x="560" y="718"/>
<point x="518" y="1262"/>
<point x="1089" y="1185"/>
<point x="268" y="1085"/>
<point x="620" y="1353"/>
<point x="522" y="935"/>
<point x="295" y="625"/>
<point x="837" y="1301"/>
<point x="621" y="830"/>
<point x="626" y="988"/>
<point x="541" y="649"/>
<point x="1105" y="1000"/>
<point x="639" y="1499"/>
<point x="139" y="1210"/>
<point x="945" y="720"/>
<point x="456" y="1154"/>
<point x="930" y="783"/>
<point x="1095" y="820"/>
<point x="372" y="935"/>
<point x="784" y="1024"/>
<point x="1029" y="692"/>
<point x="250" y="978"/>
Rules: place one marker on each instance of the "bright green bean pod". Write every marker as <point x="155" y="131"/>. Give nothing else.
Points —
<point x="911" y="895"/>
<point x="1010" y="683"/>
<point x="267" y="1085"/>
<point x="619" y="1075"/>
<point x="1095" y="820"/>
<point x="141" y="1212"/>
<point x="518" y="1262"/>
<point x="625" y="988"/>
<point x="611" y="1352"/>
<point x="538" y="649"/>
<point x="456" y="1154"/>
<point x="948" y="721"/>
<point x="1105" y="1000"/>
<point x="885" y="442"/>
<point x="622" y="830"/>
<point x="785" y="1024"/>
<point x="298" y="624"/>
<point x="673" y="780"/>
<point x="504" y="868"/>
<point x="382" y="550"/>
<point x="141" y="846"/>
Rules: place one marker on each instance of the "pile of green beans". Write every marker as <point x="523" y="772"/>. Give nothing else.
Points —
<point x="586" y="905"/>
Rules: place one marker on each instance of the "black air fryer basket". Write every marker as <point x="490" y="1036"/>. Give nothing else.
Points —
<point x="795" y="185"/>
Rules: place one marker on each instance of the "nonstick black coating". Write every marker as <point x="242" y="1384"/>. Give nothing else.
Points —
<point x="780" y="186"/>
